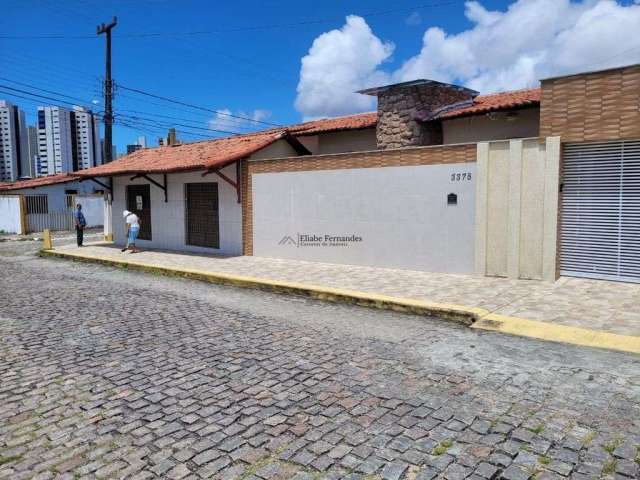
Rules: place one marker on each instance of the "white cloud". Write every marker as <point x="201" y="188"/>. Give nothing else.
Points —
<point x="531" y="40"/>
<point x="502" y="50"/>
<point x="338" y="63"/>
<point x="225" y="122"/>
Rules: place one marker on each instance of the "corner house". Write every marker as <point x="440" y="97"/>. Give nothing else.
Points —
<point x="525" y="184"/>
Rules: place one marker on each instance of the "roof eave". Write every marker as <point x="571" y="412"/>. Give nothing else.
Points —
<point x="532" y="104"/>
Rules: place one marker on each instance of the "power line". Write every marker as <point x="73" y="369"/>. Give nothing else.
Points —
<point x="42" y="89"/>
<point x="143" y="123"/>
<point x="178" y="102"/>
<point x="236" y="125"/>
<point x="240" y="123"/>
<point x="40" y="96"/>
<point x="159" y="130"/>
<point x="127" y="116"/>
<point x="273" y="26"/>
<point x="139" y="118"/>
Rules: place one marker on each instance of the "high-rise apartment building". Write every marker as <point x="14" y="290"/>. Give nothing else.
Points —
<point x="13" y="143"/>
<point x="87" y="151"/>
<point x="54" y="141"/>
<point x="32" y="150"/>
<point x="67" y="140"/>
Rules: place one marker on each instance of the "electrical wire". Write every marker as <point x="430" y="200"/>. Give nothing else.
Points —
<point x="179" y="102"/>
<point x="276" y="26"/>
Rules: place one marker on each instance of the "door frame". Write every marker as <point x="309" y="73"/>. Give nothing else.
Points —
<point x="186" y="215"/>
<point x="145" y="222"/>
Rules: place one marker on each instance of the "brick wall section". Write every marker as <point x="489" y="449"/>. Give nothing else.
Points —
<point x="399" y="107"/>
<point x="593" y="106"/>
<point x="388" y="158"/>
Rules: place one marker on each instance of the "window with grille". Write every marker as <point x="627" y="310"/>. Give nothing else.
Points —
<point x="37" y="203"/>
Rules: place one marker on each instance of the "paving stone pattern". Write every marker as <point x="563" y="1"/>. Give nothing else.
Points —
<point x="111" y="374"/>
<point x="576" y="302"/>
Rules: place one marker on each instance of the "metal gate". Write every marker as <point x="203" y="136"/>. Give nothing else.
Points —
<point x="600" y="225"/>
<point x="40" y="214"/>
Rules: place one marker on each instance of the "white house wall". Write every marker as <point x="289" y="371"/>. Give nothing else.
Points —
<point x="10" y="214"/>
<point x="400" y="214"/>
<point x="92" y="208"/>
<point x="168" y="220"/>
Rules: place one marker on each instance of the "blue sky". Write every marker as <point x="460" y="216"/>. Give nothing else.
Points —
<point x="251" y="66"/>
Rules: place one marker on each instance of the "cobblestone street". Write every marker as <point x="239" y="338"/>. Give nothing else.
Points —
<point x="112" y="374"/>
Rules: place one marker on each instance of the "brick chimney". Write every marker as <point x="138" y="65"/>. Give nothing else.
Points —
<point x="405" y="108"/>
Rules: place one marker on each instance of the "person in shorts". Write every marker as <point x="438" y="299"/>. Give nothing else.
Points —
<point x="133" y="228"/>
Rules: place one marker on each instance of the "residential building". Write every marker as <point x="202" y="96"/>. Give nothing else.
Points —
<point x="526" y="184"/>
<point x="86" y="146"/>
<point x="141" y="142"/>
<point x="48" y="202"/>
<point x="133" y="148"/>
<point x="13" y="143"/>
<point x="32" y="149"/>
<point x="68" y="140"/>
<point x="55" y="151"/>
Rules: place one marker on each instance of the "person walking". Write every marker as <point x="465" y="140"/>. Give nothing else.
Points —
<point x="133" y="228"/>
<point x="80" y="223"/>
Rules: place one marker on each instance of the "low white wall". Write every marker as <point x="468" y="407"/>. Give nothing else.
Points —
<point x="168" y="220"/>
<point x="10" y="214"/>
<point x="92" y="208"/>
<point x="399" y="214"/>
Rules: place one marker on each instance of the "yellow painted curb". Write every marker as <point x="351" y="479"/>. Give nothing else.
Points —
<point x="558" y="333"/>
<point x="458" y="313"/>
<point x="475" y="317"/>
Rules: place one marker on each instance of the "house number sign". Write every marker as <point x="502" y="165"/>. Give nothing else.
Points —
<point x="461" y="177"/>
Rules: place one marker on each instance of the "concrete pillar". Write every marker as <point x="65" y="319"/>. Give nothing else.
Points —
<point x="108" y="218"/>
<point x="551" y="208"/>
<point x="515" y="200"/>
<point x="482" y="179"/>
<point x="47" y="242"/>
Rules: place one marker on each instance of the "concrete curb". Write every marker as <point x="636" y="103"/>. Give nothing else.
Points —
<point x="474" y="317"/>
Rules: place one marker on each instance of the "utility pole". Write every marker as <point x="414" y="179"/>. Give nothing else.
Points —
<point x="108" y="92"/>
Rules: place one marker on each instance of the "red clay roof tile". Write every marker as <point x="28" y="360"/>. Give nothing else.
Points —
<point x="494" y="102"/>
<point x="203" y="155"/>
<point x="217" y="153"/>
<point x="348" y="122"/>
<point x="38" y="182"/>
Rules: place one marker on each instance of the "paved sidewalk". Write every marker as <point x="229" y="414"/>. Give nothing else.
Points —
<point x="591" y="304"/>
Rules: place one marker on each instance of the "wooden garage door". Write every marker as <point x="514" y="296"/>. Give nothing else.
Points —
<point x="600" y="228"/>
<point x="203" y="229"/>
<point x="139" y="202"/>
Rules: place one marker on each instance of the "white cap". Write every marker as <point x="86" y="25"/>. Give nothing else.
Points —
<point x="125" y="213"/>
